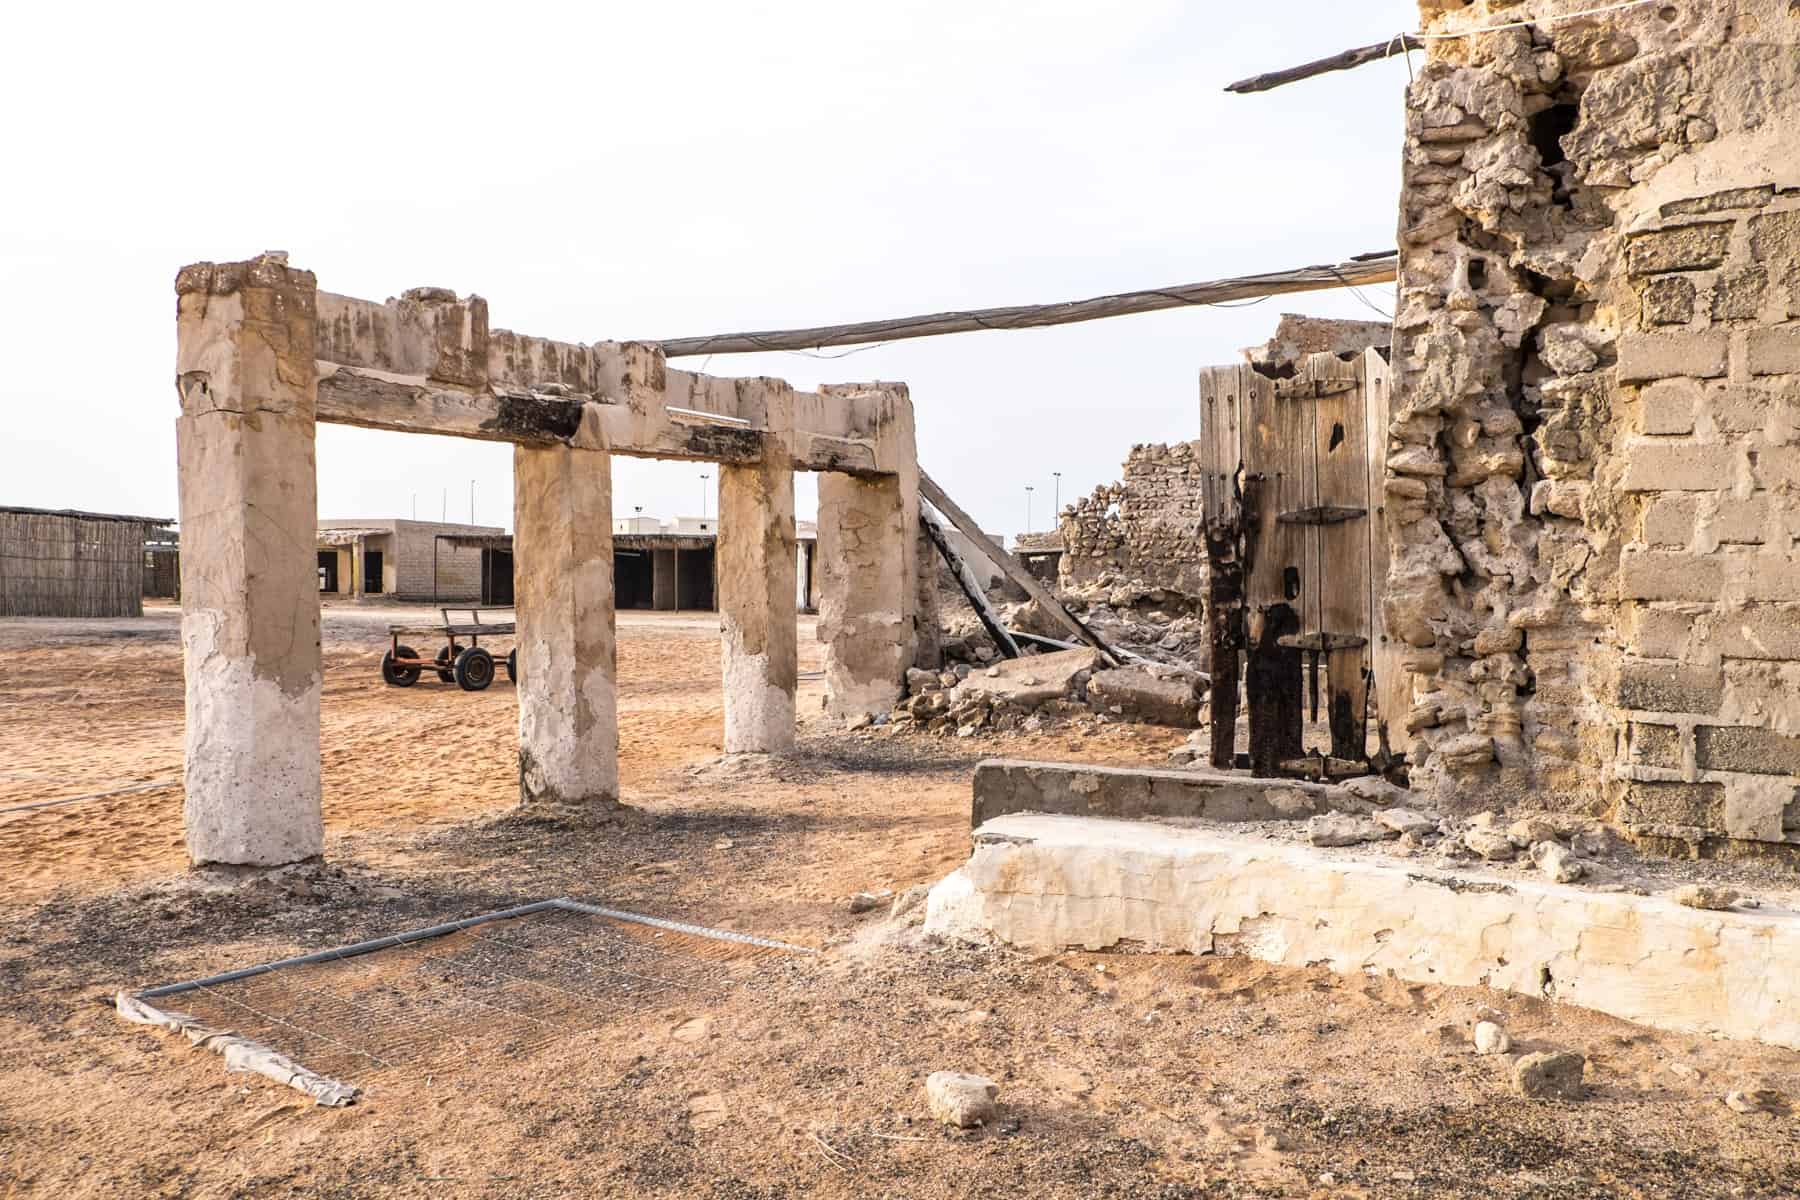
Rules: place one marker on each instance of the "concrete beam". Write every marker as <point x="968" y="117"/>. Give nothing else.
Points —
<point x="1045" y="883"/>
<point x="1007" y="785"/>
<point x="249" y="592"/>
<point x="568" y="699"/>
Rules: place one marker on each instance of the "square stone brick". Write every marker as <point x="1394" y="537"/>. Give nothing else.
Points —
<point x="1655" y="745"/>
<point x="1775" y="351"/>
<point x="1684" y="248"/>
<point x="1777" y="466"/>
<point x="1658" y="632"/>
<point x="1738" y="409"/>
<point x="1775" y="237"/>
<point x="1667" y="300"/>
<point x="1668" y="407"/>
<point x="1772" y="577"/>
<point x="1760" y="631"/>
<point x="1646" y="356"/>
<point x="1668" y="575"/>
<point x="1669" y="687"/>
<point x="1666" y="466"/>
<point x="1755" y="751"/>
<point x="1658" y="803"/>
<point x="1739" y="296"/>
<point x="1669" y="521"/>
<point x="1740" y="522"/>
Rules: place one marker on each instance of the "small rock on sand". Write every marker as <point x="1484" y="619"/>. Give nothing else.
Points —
<point x="1705" y="895"/>
<point x="1754" y="1098"/>
<point x="1342" y="829"/>
<point x="1550" y="1076"/>
<point x="1556" y="862"/>
<point x="862" y="902"/>
<point x="960" y="1100"/>
<point x="1491" y="1038"/>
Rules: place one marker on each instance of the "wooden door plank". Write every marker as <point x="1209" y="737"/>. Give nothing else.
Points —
<point x="1273" y="479"/>
<point x="1341" y="445"/>
<point x="1393" y="684"/>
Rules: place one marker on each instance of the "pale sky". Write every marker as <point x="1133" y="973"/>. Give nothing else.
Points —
<point x="666" y="169"/>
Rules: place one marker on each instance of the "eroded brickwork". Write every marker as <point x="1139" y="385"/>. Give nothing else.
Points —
<point x="1143" y="531"/>
<point x="1595" y="455"/>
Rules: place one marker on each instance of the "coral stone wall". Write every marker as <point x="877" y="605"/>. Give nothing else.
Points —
<point x="1143" y="531"/>
<point x="1594" y="474"/>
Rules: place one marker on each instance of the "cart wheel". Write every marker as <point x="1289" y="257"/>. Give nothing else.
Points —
<point x="474" y="669"/>
<point x="512" y="665"/>
<point x="397" y="676"/>
<point x="443" y="666"/>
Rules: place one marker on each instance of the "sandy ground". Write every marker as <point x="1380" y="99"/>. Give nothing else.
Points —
<point x="1119" y="1075"/>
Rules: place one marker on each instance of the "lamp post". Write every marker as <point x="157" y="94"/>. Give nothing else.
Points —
<point x="1028" y="508"/>
<point x="703" y="498"/>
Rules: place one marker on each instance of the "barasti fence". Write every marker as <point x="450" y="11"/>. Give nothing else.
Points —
<point x="72" y="564"/>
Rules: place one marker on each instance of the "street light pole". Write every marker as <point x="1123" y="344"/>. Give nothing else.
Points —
<point x="703" y="497"/>
<point x="1056" y="503"/>
<point x="1028" y="508"/>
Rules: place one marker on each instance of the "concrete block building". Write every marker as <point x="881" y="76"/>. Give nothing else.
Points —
<point x="414" y="560"/>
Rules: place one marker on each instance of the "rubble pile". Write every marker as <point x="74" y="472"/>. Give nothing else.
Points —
<point x="1026" y="694"/>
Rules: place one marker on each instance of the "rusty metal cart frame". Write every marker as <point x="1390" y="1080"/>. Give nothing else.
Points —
<point x="470" y="667"/>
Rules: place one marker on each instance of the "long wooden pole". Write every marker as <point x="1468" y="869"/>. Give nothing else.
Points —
<point x="1399" y="44"/>
<point x="1365" y="269"/>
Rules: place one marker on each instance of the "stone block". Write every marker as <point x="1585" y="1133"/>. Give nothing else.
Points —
<point x="1143" y="695"/>
<point x="1758" y="631"/>
<point x="1775" y="351"/>
<point x="1655" y="745"/>
<point x="1741" y="748"/>
<point x="1669" y="521"/>
<point x="1778" y="466"/>
<point x="1775" y="237"/>
<point x="1739" y="296"/>
<point x="1661" y="575"/>
<point x="1738" y="522"/>
<point x="1668" y="407"/>
<point x="1004" y="786"/>
<point x="1028" y="682"/>
<point x="1673" y="687"/>
<point x="1664" y="803"/>
<point x="1772" y="577"/>
<point x="1745" y="409"/>
<point x="1735" y="198"/>
<point x="1667" y="300"/>
<point x="1657" y="632"/>
<point x="1663" y="466"/>
<point x="1646" y="356"/>
<point x="1684" y="248"/>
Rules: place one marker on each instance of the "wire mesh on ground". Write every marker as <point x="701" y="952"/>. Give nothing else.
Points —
<point x="495" y="990"/>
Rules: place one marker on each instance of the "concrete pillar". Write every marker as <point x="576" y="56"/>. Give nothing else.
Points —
<point x="754" y="566"/>
<point x="245" y="368"/>
<point x="665" y="580"/>
<point x="563" y="592"/>
<point x="868" y="591"/>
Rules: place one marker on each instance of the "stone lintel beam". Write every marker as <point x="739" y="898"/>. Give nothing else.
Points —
<point x="428" y="363"/>
<point x="245" y="352"/>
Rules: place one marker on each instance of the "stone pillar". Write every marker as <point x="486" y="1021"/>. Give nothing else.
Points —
<point x="665" y="580"/>
<point x="563" y="590"/>
<point x="754" y="567"/>
<point x="245" y="368"/>
<point x="868" y="592"/>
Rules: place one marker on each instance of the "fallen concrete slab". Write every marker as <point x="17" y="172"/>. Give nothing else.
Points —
<point x="1048" y="882"/>
<point x="1010" y="785"/>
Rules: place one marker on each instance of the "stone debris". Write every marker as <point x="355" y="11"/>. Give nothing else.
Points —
<point x="1405" y="820"/>
<point x="1555" y="1075"/>
<point x="1556" y="862"/>
<point x="961" y="1101"/>
<point x="1156" y="696"/>
<point x="1491" y="1038"/>
<point x="1490" y="844"/>
<point x="1343" y="829"/>
<point x="908" y="901"/>
<point x="1705" y="896"/>
<point x="864" y="902"/>
<point x="1755" y="1098"/>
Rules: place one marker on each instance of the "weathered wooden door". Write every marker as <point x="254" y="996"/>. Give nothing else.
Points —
<point x="1295" y="466"/>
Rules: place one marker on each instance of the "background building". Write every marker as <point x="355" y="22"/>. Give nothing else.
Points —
<point x="72" y="564"/>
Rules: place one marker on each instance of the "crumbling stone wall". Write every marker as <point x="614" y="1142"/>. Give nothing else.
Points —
<point x="1142" y="532"/>
<point x="1593" y="462"/>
